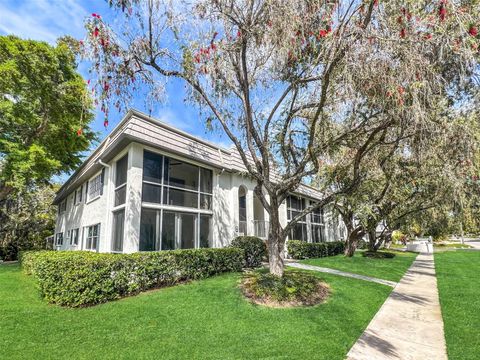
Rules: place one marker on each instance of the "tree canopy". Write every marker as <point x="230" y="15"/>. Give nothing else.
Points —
<point x="291" y="82"/>
<point x="45" y="111"/>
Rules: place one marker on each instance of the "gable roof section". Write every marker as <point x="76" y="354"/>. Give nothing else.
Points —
<point x="139" y="127"/>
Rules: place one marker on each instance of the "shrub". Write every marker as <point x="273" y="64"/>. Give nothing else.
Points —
<point x="292" y="289"/>
<point x="79" y="278"/>
<point x="254" y="248"/>
<point x="378" y="254"/>
<point x="303" y="250"/>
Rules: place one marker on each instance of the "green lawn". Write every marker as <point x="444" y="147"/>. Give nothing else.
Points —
<point x="459" y="290"/>
<point x="452" y="245"/>
<point x="387" y="269"/>
<point x="205" y="319"/>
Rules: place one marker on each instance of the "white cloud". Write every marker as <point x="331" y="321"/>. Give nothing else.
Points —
<point x="42" y="19"/>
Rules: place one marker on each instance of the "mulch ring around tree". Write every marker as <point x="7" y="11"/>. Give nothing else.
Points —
<point x="294" y="289"/>
<point x="378" y="254"/>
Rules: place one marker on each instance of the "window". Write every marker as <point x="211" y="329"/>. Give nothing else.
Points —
<point x="121" y="181"/>
<point x="62" y="207"/>
<point x="73" y="236"/>
<point x="118" y="227"/>
<point x="170" y="230"/>
<point x="173" y="182"/>
<point x="59" y="239"/>
<point x="294" y="206"/>
<point x="95" y="186"/>
<point x="78" y="195"/>
<point x="205" y="231"/>
<point x="93" y="235"/>
<point x="148" y="230"/>
<point x="317" y="226"/>
<point x="242" y="210"/>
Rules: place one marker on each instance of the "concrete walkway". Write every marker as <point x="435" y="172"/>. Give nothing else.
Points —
<point x="341" y="273"/>
<point x="409" y="324"/>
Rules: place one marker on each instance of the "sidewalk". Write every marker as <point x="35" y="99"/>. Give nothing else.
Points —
<point x="409" y="325"/>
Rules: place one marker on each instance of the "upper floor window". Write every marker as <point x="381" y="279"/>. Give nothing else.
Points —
<point x="174" y="182"/>
<point x="62" y="207"/>
<point x="78" y="195"/>
<point x="95" y="186"/>
<point x="121" y="181"/>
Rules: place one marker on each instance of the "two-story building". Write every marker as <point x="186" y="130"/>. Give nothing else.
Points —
<point x="149" y="186"/>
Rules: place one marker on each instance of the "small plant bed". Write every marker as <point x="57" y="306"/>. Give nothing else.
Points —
<point x="293" y="289"/>
<point x="378" y="254"/>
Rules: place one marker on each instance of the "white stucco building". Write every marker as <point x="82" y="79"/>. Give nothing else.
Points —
<point x="149" y="186"/>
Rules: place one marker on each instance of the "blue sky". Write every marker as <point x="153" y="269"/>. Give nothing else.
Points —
<point x="47" y="20"/>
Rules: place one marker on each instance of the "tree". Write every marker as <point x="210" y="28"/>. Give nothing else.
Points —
<point x="288" y="81"/>
<point x="401" y="179"/>
<point x="26" y="219"/>
<point x="45" y="109"/>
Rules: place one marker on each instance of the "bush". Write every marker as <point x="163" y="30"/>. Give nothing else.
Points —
<point x="79" y="278"/>
<point x="292" y="289"/>
<point x="303" y="250"/>
<point x="378" y="254"/>
<point x="254" y="248"/>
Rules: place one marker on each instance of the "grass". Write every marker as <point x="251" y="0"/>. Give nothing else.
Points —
<point x="459" y="290"/>
<point x="387" y="269"/>
<point x="207" y="319"/>
<point x="452" y="245"/>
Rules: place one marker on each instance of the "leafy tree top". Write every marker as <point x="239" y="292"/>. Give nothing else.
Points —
<point x="45" y="111"/>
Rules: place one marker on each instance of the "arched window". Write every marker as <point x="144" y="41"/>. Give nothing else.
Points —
<point x="242" y="210"/>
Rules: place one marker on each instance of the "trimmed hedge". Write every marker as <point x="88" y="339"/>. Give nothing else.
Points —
<point x="80" y="278"/>
<point x="303" y="250"/>
<point x="254" y="248"/>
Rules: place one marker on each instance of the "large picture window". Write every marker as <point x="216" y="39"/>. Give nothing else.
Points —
<point x="121" y="181"/>
<point x="170" y="230"/>
<point x="173" y="182"/>
<point x="294" y="206"/>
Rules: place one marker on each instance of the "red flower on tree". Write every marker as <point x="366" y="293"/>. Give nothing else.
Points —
<point x="473" y="31"/>
<point x="105" y="123"/>
<point x="442" y="11"/>
<point x="79" y="132"/>
<point x="403" y="33"/>
<point x="95" y="32"/>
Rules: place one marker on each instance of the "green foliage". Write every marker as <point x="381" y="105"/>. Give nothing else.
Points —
<point x="397" y="235"/>
<point x="44" y="103"/>
<point x="378" y="254"/>
<point x="254" y="248"/>
<point x="458" y="289"/>
<point x="293" y="287"/>
<point x="303" y="250"/>
<point x="27" y="217"/>
<point x="153" y="325"/>
<point x="80" y="278"/>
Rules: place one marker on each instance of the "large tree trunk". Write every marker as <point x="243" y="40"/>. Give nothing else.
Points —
<point x="372" y="239"/>
<point x="276" y="243"/>
<point x="353" y="238"/>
